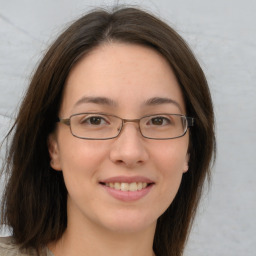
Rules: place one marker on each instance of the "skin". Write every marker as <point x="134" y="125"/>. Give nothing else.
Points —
<point x="128" y="75"/>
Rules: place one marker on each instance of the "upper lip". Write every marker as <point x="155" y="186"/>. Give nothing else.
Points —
<point x="126" y="179"/>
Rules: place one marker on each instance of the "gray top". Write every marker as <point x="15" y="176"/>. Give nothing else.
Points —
<point x="9" y="248"/>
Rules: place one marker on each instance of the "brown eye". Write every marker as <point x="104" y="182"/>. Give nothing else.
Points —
<point x="95" y="120"/>
<point x="159" y="121"/>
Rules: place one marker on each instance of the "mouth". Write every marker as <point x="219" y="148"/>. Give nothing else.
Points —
<point x="125" y="186"/>
<point x="127" y="189"/>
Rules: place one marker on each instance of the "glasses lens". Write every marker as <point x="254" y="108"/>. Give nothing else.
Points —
<point x="95" y="126"/>
<point x="166" y="126"/>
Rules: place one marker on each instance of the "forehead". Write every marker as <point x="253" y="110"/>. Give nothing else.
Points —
<point x="126" y="74"/>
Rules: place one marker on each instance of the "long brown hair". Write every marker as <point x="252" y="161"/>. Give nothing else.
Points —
<point x="34" y="201"/>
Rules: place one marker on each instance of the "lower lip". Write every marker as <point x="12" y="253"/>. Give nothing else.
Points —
<point x="128" y="196"/>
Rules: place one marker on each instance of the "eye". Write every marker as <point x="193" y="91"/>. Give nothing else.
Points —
<point x="94" y="120"/>
<point x="160" y="121"/>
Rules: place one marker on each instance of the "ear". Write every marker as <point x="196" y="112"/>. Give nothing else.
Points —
<point x="54" y="153"/>
<point x="186" y="166"/>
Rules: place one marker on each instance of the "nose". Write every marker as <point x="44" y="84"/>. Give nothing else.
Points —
<point x="128" y="148"/>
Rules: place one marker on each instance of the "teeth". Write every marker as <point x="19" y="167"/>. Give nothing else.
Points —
<point x="117" y="186"/>
<point x="123" y="186"/>
<point x="140" y="186"/>
<point x="133" y="186"/>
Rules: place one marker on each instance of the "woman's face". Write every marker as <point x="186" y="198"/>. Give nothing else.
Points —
<point x="128" y="81"/>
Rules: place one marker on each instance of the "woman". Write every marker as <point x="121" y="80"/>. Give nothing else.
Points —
<point x="112" y="143"/>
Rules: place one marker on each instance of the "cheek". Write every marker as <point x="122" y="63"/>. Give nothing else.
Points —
<point x="80" y="160"/>
<point x="171" y="166"/>
<point x="169" y="163"/>
<point x="171" y="156"/>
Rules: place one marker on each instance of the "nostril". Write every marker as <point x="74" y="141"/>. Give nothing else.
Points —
<point x="119" y="162"/>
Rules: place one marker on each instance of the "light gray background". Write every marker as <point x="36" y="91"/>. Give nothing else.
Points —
<point x="222" y="34"/>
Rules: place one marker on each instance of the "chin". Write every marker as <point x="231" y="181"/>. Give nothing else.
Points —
<point x="130" y="222"/>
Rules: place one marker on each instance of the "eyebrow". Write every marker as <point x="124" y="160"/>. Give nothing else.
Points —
<point x="96" y="100"/>
<point x="106" y="101"/>
<point x="161" y="100"/>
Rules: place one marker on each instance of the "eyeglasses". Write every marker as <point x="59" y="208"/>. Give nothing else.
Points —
<point x="100" y="126"/>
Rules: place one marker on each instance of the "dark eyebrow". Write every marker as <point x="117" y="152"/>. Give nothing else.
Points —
<point x="161" y="100"/>
<point x="96" y="100"/>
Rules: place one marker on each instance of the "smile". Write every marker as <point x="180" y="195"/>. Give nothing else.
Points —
<point x="127" y="189"/>
<point x="123" y="186"/>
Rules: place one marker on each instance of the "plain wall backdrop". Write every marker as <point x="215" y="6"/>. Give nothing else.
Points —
<point x="222" y="34"/>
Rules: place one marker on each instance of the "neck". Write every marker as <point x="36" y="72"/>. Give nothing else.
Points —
<point x="105" y="243"/>
<point x="85" y="238"/>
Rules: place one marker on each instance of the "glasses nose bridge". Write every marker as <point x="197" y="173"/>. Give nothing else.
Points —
<point x="131" y="121"/>
<point x="124" y="121"/>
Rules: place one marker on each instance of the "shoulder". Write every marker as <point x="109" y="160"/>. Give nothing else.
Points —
<point x="9" y="248"/>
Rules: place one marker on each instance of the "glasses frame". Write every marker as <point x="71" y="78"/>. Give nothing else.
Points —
<point x="190" y="122"/>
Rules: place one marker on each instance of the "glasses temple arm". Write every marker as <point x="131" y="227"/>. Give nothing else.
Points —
<point x="64" y="121"/>
<point x="191" y="121"/>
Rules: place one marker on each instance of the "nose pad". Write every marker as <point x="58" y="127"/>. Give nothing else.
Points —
<point x="128" y="148"/>
<point x="135" y="121"/>
<point x="119" y="129"/>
